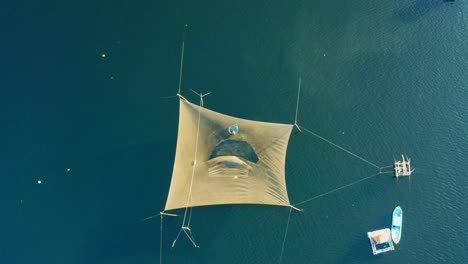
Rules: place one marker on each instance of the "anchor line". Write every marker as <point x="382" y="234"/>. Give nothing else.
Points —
<point x="285" y="235"/>
<point x="341" y="148"/>
<point x="337" y="189"/>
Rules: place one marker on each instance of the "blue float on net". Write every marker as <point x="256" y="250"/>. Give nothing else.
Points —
<point x="234" y="129"/>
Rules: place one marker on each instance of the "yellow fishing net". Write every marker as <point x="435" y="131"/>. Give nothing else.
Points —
<point x="233" y="161"/>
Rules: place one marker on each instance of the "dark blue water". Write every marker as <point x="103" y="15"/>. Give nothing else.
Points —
<point x="379" y="78"/>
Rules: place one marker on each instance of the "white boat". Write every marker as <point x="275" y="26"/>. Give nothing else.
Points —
<point x="397" y="220"/>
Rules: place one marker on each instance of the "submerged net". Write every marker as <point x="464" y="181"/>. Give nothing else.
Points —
<point x="238" y="161"/>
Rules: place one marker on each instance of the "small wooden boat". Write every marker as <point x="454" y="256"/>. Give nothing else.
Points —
<point x="397" y="220"/>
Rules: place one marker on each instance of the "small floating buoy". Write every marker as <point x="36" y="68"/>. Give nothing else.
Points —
<point x="234" y="129"/>
<point x="39" y="182"/>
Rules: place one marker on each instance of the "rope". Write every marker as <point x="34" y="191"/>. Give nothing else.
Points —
<point x="285" y="235"/>
<point x="168" y="97"/>
<point x="182" y="58"/>
<point x="160" y="241"/>
<point x="409" y="180"/>
<point x="194" y="166"/>
<point x="384" y="172"/>
<point x="183" y="227"/>
<point x="150" y="217"/>
<point x="345" y="150"/>
<point x="196" y="146"/>
<point x="337" y="189"/>
<point x="297" y="102"/>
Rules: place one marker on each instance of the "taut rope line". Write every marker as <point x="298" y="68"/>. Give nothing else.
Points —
<point x="182" y="59"/>
<point x="339" y="147"/>
<point x="160" y="241"/>
<point x="285" y="234"/>
<point x="337" y="189"/>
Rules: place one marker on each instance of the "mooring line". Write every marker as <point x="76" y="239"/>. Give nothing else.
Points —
<point x="345" y="150"/>
<point x="285" y="234"/>
<point x="337" y="189"/>
<point x="160" y="241"/>
<point x="182" y="59"/>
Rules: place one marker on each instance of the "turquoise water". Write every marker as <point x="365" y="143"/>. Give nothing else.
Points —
<point x="379" y="78"/>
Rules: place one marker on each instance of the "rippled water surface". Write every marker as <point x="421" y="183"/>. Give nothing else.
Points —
<point x="85" y="88"/>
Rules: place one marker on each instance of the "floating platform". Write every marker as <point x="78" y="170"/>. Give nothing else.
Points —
<point x="403" y="167"/>
<point x="381" y="241"/>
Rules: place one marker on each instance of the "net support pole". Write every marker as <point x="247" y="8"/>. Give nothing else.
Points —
<point x="296" y="209"/>
<point x="188" y="232"/>
<point x="167" y="214"/>
<point x="297" y="106"/>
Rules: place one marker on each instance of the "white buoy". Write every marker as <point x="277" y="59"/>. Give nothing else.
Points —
<point x="103" y="55"/>
<point x="39" y="182"/>
<point x="68" y="170"/>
